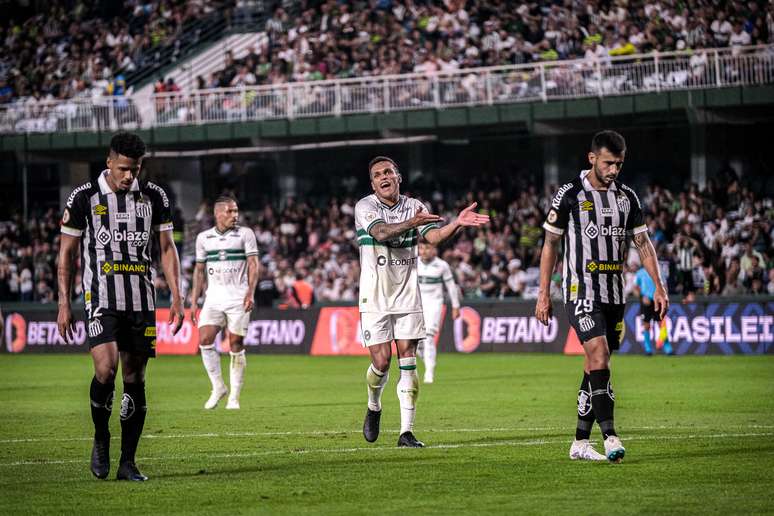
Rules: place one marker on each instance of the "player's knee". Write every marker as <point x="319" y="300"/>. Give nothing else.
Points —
<point x="381" y="363"/>
<point x="599" y="360"/>
<point x="134" y="377"/>
<point x="236" y="345"/>
<point x="105" y="374"/>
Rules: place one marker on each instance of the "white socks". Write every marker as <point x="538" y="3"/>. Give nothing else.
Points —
<point x="430" y="353"/>
<point x="211" y="360"/>
<point x="375" y="380"/>
<point x="408" y="392"/>
<point x="238" y="364"/>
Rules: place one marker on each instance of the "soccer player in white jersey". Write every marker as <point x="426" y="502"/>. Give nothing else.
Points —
<point x="229" y="254"/>
<point x="388" y="227"/>
<point x="434" y="274"/>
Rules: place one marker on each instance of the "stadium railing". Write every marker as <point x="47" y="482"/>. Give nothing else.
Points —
<point x="621" y="75"/>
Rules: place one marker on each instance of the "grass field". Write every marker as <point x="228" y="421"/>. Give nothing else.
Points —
<point x="699" y="433"/>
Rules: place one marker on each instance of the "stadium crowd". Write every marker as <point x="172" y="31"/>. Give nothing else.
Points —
<point x="74" y="48"/>
<point x="715" y="241"/>
<point x="334" y="39"/>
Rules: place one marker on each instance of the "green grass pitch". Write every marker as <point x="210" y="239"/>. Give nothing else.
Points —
<point x="699" y="434"/>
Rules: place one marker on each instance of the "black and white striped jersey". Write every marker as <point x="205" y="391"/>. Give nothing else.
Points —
<point x="597" y="226"/>
<point x="116" y="230"/>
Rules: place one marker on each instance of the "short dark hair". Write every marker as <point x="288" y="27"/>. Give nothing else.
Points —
<point x="225" y="199"/>
<point x="127" y="144"/>
<point x="379" y="159"/>
<point x="609" y="140"/>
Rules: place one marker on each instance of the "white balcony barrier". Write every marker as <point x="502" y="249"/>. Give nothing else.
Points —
<point x="714" y="68"/>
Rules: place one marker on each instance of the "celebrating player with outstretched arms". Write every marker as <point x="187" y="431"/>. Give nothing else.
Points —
<point x="388" y="228"/>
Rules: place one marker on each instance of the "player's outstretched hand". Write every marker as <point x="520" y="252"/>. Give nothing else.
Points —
<point x="661" y="302"/>
<point x="468" y="217"/>
<point x="176" y="315"/>
<point x="423" y="217"/>
<point x="248" y="303"/>
<point x="64" y="320"/>
<point x="543" y="309"/>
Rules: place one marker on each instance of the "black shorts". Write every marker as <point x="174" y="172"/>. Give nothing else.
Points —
<point x="648" y="312"/>
<point x="592" y="319"/>
<point x="134" y="332"/>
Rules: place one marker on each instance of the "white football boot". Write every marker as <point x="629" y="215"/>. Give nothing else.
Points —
<point x="584" y="450"/>
<point x="614" y="449"/>
<point x="215" y="396"/>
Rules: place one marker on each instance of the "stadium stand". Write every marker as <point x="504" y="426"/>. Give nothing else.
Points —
<point x="335" y="40"/>
<point x="85" y="49"/>
<point x="82" y="51"/>
<point x="716" y="241"/>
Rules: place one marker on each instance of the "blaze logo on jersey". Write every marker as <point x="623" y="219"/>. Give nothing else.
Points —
<point x="591" y="231"/>
<point x="103" y="236"/>
<point x="133" y="238"/>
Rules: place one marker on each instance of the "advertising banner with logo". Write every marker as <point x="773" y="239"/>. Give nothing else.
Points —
<point x="502" y="327"/>
<point x="35" y="331"/>
<point x="709" y="328"/>
<point x="269" y="331"/>
<point x="699" y="328"/>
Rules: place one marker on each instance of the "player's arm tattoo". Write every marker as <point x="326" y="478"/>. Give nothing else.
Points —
<point x="644" y="246"/>
<point x="383" y="231"/>
<point x="68" y="249"/>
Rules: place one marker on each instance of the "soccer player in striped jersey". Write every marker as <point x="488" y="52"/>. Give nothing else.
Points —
<point x="229" y="254"/>
<point x="388" y="228"/>
<point x="115" y="218"/>
<point x="597" y="216"/>
<point x="434" y="275"/>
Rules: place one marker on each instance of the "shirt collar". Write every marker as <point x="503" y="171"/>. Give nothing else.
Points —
<point x="587" y="184"/>
<point x="105" y="189"/>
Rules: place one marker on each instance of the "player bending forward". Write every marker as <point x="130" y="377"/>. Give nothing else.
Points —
<point x="388" y="227"/>
<point x="434" y="273"/>
<point x="597" y="216"/>
<point x="229" y="253"/>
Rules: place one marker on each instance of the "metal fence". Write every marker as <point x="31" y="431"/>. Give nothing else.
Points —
<point x="714" y="68"/>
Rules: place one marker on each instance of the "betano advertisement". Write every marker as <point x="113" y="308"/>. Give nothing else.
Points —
<point x="697" y="329"/>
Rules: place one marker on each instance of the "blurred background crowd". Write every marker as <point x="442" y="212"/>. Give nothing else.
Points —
<point x="715" y="241"/>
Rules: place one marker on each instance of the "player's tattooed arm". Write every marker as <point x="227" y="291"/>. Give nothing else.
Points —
<point x="650" y="262"/>
<point x="644" y="245"/>
<point x="383" y="231"/>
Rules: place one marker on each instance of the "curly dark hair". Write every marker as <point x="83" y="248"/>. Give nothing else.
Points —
<point x="127" y="144"/>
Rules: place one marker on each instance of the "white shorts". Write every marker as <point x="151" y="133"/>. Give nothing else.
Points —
<point x="230" y="314"/>
<point x="432" y="313"/>
<point x="381" y="328"/>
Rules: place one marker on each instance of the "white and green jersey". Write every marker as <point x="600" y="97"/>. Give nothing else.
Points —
<point x="432" y="278"/>
<point x="225" y="258"/>
<point x="388" y="270"/>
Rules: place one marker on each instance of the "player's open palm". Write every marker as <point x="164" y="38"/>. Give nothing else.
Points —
<point x="470" y="218"/>
<point x="423" y="217"/>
